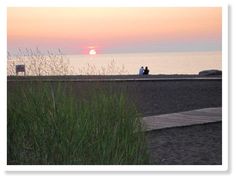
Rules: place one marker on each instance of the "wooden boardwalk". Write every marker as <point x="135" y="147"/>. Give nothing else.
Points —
<point x="186" y="118"/>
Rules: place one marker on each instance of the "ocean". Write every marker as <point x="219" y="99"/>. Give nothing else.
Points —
<point x="158" y="63"/>
<point x="130" y="63"/>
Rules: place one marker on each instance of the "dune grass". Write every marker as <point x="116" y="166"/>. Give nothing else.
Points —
<point x="47" y="124"/>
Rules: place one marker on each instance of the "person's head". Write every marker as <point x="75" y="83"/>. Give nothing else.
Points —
<point x="141" y="67"/>
<point x="146" y="67"/>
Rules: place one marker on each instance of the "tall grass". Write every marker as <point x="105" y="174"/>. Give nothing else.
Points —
<point x="47" y="124"/>
<point x="39" y="63"/>
<point x="56" y="63"/>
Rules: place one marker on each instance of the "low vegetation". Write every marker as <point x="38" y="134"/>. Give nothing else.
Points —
<point x="38" y="63"/>
<point x="47" y="124"/>
<point x="56" y="63"/>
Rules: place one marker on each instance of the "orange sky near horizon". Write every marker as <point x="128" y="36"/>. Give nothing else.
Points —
<point x="106" y="27"/>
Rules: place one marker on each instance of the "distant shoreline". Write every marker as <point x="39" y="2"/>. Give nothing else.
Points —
<point x="91" y="78"/>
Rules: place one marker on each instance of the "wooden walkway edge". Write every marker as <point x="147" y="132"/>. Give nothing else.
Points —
<point x="186" y="118"/>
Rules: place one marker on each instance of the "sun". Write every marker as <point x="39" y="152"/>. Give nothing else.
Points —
<point x="92" y="52"/>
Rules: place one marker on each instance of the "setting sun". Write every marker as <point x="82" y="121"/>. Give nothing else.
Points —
<point x="92" y="52"/>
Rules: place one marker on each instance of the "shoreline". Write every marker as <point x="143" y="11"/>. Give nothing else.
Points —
<point x="81" y="78"/>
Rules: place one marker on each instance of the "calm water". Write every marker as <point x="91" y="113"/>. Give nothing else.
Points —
<point x="158" y="63"/>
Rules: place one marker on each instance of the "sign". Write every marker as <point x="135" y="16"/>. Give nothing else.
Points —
<point x="20" y="68"/>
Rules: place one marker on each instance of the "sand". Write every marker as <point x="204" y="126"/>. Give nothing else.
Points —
<point x="194" y="145"/>
<point x="152" y="97"/>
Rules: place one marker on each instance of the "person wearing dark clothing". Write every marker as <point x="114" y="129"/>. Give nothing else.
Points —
<point x="146" y="71"/>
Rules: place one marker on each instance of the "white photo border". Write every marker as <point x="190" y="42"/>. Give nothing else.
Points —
<point x="128" y="3"/>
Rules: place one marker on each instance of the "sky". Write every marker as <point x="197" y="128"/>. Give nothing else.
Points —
<point x="115" y="30"/>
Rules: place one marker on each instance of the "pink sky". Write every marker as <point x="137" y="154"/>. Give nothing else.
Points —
<point x="115" y="30"/>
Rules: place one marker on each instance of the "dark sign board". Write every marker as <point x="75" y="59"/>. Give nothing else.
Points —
<point x="20" y="68"/>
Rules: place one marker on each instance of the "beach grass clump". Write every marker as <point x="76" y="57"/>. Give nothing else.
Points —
<point x="48" y="124"/>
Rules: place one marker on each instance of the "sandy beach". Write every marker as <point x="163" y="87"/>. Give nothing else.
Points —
<point x="193" y="145"/>
<point x="151" y="97"/>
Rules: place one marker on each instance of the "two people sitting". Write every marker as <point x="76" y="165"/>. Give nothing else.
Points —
<point x="143" y="71"/>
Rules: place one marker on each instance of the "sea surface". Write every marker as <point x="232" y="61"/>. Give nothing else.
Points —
<point x="158" y="63"/>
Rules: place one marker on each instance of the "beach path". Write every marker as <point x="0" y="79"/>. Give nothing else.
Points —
<point x="186" y="118"/>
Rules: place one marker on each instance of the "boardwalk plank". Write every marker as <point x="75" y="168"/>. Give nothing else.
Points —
<point x="187" y="118"/>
